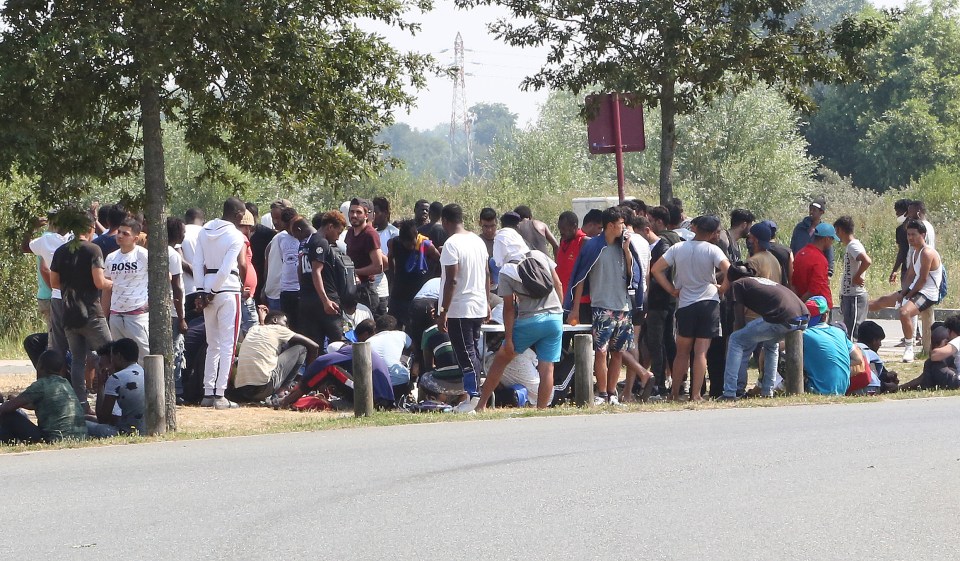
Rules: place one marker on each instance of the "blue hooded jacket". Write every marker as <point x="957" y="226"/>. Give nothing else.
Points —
<point x="589" y="254"/>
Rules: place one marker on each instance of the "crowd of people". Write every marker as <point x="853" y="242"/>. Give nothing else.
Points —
<point x="266" y="308"/>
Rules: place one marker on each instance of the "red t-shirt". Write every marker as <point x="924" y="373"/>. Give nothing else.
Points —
<point x="359" y="247"/>
<point x="251" y="280"/>
<point x="567" y="256"/>
<point x="810" y="273"/>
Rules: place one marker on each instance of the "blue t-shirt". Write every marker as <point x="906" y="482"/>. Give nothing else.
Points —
<point x="826" y="360"/>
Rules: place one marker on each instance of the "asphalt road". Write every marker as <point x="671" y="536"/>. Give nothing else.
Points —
<point x="859" y="481"/>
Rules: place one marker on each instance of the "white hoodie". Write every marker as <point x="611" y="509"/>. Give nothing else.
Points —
<point x="218" y="245"/>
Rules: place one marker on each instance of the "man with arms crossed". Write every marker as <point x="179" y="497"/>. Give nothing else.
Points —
<point x="695" y="264"/>
<point x="219" y="263"/>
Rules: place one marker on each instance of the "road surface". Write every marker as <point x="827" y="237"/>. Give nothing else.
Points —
<point x="858" y="481"/>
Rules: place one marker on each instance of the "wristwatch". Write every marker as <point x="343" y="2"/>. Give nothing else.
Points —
<point x="441" y="309"/>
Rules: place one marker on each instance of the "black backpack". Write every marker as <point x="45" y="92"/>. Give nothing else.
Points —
<point x="536" y="278"/>
<point x="344" y="277"/>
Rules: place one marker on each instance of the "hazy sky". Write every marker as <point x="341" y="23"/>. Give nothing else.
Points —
<point x="494" y="70"/>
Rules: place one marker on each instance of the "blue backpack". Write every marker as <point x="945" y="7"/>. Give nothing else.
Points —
<point x="943" y="282"/>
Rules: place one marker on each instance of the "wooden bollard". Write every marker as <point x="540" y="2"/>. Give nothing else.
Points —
<point x="583" y="365"/>
<point x="362" y="380"/>
<point x="926" y="320"/>
<point x="154" y="396"/>
<point x="794" y="368"/>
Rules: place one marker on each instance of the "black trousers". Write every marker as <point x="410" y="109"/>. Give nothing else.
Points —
<point x="16" y="427"/>
<point x="465" y="338"/>
<point x="290" y="305"/>
<point x="661" y="343"/>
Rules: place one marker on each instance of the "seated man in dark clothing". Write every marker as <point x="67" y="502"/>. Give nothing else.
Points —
<point x="442" y="378"/>
<point x="937" y="374"/>
<point x="34" y="345"/>
<point x="333" y="372"/>
<point x="52" y="398"/>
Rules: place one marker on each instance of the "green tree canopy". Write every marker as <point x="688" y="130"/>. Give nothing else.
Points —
<point x="675" y="55"/>
<point x="905" y="120"/>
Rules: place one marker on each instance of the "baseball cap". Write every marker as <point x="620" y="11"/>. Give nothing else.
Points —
<point x="281" y="203"/>
<point x="247" y="219"/>
<point x="706" y="223"/>
<point x="761" y="231"/>
<point x="824" y="230"/>
<point x="819" y="202"/>
<point x="773" y="228"/>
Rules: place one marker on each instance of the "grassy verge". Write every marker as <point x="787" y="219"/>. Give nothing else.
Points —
<point x="11" y="345"/>
<point x="196" y="423"/>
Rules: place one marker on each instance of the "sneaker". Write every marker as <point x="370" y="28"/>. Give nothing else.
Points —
<point x="207" y="402"/>
<point x="614" y="400"/>
<point x="728" y="398"/>
<point x="902" y="343"/>
<point x="218" y="402"/>
<point x="467" y="406"/>
<point x="908" y="354"/>
<point x="599" y="400"/>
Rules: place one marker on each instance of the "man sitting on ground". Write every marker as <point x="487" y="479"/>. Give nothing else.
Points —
<point x="937" y="374"/>
<point x="333" y="373"/>
<point x="265" y="370"/>
<point x="120" y="395"/>
<point x="827" y="353"/>
<point x="390" y="343"/>
<point x="871" y="336"/>
<point x="58" y="410"/>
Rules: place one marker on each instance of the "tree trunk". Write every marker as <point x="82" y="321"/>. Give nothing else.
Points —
<point x="158" y="272"/>
<point x="668" y="139"/>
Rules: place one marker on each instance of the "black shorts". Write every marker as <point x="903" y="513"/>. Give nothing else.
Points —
<point x="700" y="320"/>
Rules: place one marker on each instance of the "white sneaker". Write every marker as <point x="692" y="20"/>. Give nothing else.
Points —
<point x="598" y="400"/>
<point x="218" y="402"/>
<point x="467" y="406"/>
<point x="614" y="400"/>
<point x="908" y="354"/>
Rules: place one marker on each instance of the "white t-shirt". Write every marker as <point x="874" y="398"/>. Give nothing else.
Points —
<point x="430" y="289"/>
<point x="44" y="247"/>
<point x="352" y="320"/>
<point x="641" y="269"/>
<point x="850" y="265"/>
<point x="189" y="245"/>
<point x="389" y="345"/>
<point x="176" y="268"/>
<point x="289" y="252"/>
<point x="271" y="288"/>
<point x="387" y="234"/>
<point x="695" y="270"/>
<point x="522" y="370"/>
<point x="470" y="297"/>
<point x="955" y="343"/>
<point x="128" y="271"/>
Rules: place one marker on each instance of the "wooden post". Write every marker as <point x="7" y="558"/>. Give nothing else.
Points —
<point x="794" y="367"/>
<point x="362" y="380"/>
<point x="155" y="404"/>
<point x="926" y="320"/>
<point x="583" y="365"/>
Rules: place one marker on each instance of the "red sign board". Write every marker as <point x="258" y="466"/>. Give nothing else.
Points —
<point x="601" y="130"/>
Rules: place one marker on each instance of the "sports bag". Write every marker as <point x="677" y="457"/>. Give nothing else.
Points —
<point x="344" y="277"/>
<point x="536" y="278"/>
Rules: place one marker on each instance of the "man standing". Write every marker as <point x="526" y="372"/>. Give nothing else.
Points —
<point x="259" y="240"/>
<point x="779" y="311"/>
<point x="273" y="260"/>
<point x="805" y="231"/>
<point x="363" y="247"/>
<point x="782" y="253"/>
<point x="900" y="207"/>
<point x="810" y="267"/>
<point x="604" y="270"/>
<point x="77" y="270"/>
<point x="853" y="294"/>
<point x="924" y="281"/>
<point x="761" y="260"/>
<point x="488" y="232"/>
<point x="421" y="212"/>
<point x="661" y="305"/>
<point x="572" y="239"/>
<point x="126" y="300"/>
<point x="534" y="232"/>
<point x="319" y="299"/>
<point x="529" y="322"/>
<point x="695" y="264"/>
<point x="289" y="247"/>
<point x="434" y="228"/>
<point x="463" y="301"/>
<point x="49" y="301"/>
<point x="741" y="220"/>
<point x="248" y="306"/>
<point x="386" y="231"/>
<point x="193" y="220"/>
<point x="219" y="255"/>
<point x="107" y="241"/>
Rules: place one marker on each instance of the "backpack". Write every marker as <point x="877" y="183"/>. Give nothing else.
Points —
<point x="536" y="278"/>
<point x="344" y="276"/>
<point x="943" y="282"/>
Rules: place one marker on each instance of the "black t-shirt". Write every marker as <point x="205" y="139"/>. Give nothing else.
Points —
<point x="74" y="263"/>
<point x="903" y="246"/>
<point x="259" y="241"/>
<point x="316" y="249"/>
<point x="435" y="232"/>
<point x="782" y="253"/>
<point x="657" y="297"/>
<point x="107" y="243"/>
<point x="774" y="302"/>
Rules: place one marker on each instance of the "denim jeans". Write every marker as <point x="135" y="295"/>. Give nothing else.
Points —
<point x="248" y="315"/>
<point x="739" y="349"/>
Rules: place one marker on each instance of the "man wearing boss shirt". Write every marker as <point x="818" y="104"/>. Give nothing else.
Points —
<point x="125" y="304"/>
<point x="363" y="247"/>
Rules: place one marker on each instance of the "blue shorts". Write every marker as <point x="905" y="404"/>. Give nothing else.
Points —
<point x="543" y="332"/>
